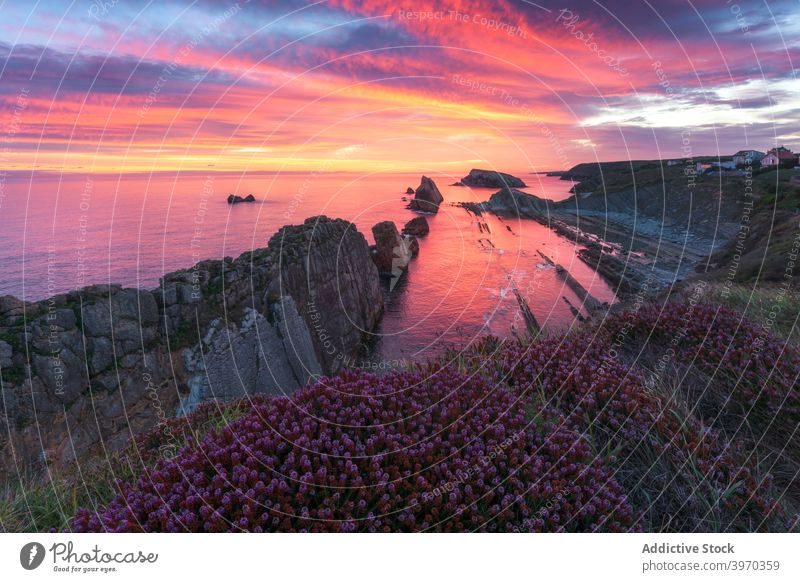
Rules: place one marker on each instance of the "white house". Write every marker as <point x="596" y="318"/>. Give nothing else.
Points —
<point x="779" y="157"/>
<point x="747" y="157"/>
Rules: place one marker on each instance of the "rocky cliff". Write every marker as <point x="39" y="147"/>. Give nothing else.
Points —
<point x="326" y="267"/>
<point x="85" y="367"/>
<point x="84" y="371"/>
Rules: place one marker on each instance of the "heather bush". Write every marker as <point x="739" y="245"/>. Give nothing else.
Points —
<point x="48" y="501"/>
<point x="680" y="472"/>
<point x="169" y="436"/>
<point x="562" y="433"/>
<point x="406" y="452"/>
<point x="759" y="367"/>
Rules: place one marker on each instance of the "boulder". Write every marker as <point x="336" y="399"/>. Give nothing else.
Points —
<point x="491" y="179"/>
<point x="392" y="254"/>
<point x="427" y="197"/>
<point x="11" y="306"/>
<point x="409" y="190"/>
<point x="417" y="226"/>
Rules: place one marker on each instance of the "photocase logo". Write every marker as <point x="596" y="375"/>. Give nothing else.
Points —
<point x="31" y="555"/>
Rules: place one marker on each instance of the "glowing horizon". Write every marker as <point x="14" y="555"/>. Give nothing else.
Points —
<point x="381" y="86"/>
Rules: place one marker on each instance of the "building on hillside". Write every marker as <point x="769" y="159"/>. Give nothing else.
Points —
<point x="702" y="167"/>
<point x="779" y="157"/>
<point x="747" y="157"/>
<point x="708" y="167"/>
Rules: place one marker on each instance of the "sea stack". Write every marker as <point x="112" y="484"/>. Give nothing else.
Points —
<point x="490" y="179"/>
<point x="427" y="197"/>
<point x="392" y="251"/>
<point x="236" y="199"/>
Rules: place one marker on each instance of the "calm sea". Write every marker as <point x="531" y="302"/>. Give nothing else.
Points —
<point x="59" y="233"/>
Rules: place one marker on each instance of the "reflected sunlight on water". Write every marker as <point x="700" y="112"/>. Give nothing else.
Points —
<point x="61" y="233"/>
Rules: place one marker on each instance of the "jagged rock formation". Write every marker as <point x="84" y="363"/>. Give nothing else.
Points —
<point x="236" y="199"/>
<point x="86" y="370"/>
<point x="531" y="324"/>
<point x="391" y="254"/>
<point x="417" y="226"/>
<point x="234" y="360"/>
<point x="576" y="313"/>
<point x="427" y="197"/>
<point x="326" y="267"/>
<point x="86" y="367"/>
<point x="588" y="301"/>
<point x="491" y="179"/>
<point x="409" y="190"/>
<point x="632" y="235"/>
<point x="622" y="275"/>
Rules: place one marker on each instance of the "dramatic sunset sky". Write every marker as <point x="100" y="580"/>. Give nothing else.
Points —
<point x="374" y="85"/>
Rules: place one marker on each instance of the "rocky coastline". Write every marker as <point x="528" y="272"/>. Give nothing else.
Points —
<point x="91" y="368"/>
<point x="634" y="235"/>
<point x="106" y="369"/>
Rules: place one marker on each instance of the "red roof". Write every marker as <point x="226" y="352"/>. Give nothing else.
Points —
<point x="782" y="153"/>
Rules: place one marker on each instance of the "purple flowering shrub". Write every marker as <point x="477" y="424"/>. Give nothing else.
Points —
<point x="653" y="452"/>
<point x="407" y="452"/>
<point x="169" y="436"/>
<point x="558" y="434"/>
<point x="760" y="367"/>
<point x="665" y="457"/>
